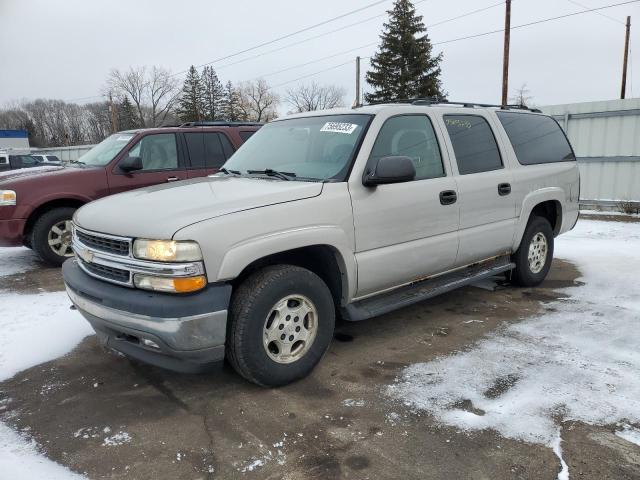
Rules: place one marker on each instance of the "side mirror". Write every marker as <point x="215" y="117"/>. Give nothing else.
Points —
<point x="394" y="169"/>
<point x="130" y="164"/>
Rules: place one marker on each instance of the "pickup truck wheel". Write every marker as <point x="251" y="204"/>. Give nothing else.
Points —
<point x="51" y="235"/>
<point x="533" y="257"/>
<point x="281" y="323"/>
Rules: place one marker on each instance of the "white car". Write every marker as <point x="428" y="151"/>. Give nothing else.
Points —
<point x="48" y="159"/>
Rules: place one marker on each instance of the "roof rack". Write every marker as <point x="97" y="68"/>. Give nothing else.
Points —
<point x="428" y="101"/>
<point x="207" y="123"/>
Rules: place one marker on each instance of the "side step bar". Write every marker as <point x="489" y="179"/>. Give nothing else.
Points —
<point x="424" y="289"/>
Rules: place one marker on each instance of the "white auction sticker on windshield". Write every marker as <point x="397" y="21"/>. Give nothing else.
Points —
<point x="339" y="127"/>
<point x="124" y="138"/>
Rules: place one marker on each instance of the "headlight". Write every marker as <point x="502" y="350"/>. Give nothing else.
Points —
<point x="167" y="250"/>
<point x="7" y="197"/>
<point x="170" y="284"/>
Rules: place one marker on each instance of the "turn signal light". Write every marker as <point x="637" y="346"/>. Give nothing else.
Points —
<point x="170" y="284"/>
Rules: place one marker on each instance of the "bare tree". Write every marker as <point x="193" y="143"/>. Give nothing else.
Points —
<point x="521" y="96"/>
<point x="257" y="102"/>
<point x="153" y="92"/>
<point x="307" y="98"/>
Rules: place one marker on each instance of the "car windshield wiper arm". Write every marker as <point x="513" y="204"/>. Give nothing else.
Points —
<point x="229" y="172"/>
<point x="273" y="173"/>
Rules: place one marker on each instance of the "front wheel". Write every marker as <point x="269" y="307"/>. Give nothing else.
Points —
<point x="51" y="235"/>
<point x="533" y="257"/>
<point x="282" y="319"/>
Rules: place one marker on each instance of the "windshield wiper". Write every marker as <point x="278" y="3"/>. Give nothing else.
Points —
<point x="229" y="172"/>
<point x="274" y="173"/>
<point x="77" y="161"/>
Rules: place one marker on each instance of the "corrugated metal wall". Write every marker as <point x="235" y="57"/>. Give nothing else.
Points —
<point x="606" y="139"/>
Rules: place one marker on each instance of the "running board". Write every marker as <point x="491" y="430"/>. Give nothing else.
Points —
<point x="424" y="289"/>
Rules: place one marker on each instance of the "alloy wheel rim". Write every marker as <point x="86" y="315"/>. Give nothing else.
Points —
<point x="537" y="253"/>
<point x="59" y="238"/>
<point x="290" y="329"/>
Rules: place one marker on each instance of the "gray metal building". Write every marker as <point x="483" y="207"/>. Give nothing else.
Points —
<point x="606" y="139"/>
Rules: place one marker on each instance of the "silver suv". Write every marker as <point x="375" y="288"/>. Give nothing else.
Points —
<point x="352" y="212"/>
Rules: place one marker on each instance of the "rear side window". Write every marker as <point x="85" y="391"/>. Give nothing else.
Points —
<point x="52" y="158"/>
<point x="246" y="135"/>
<point x="205" y="150"/>
<point x="536" y="138"/>
<point x="411" y="136"/>
<point x="473" y="143"/>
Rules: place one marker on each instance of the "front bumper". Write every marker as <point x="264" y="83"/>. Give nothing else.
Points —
<point x="179" y="332"/>
<point x="11" y="232"/>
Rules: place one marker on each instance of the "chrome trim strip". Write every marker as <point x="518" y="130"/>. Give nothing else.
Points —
<point x="186" y="269"/>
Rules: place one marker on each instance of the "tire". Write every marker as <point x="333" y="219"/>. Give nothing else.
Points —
<point x="45" y="229"/>
<point x="531" y="272"/>
<point x="252" y="347"/>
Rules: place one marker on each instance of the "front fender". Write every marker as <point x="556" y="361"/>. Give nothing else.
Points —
<point x="241" y="255"/>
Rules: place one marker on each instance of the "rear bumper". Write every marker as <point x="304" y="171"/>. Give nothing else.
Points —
<point x="179" y="332"/>
<point x="11" y="232"/>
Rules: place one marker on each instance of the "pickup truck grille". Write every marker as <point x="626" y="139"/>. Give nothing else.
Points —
<point x="104" y="244"/>
<point x="108" y="273"/>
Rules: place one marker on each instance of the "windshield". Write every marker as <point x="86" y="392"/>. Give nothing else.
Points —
<point x="316" y="148"/>
<point x="106" y="150"/>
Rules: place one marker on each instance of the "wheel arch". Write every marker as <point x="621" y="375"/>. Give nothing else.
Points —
<point x="323" y="260"/>
<point x="48" y="206"/>
<point x="546" y="203"/>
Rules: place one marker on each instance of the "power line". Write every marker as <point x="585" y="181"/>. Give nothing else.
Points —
<point x="465" y="15"/>
<point x="288" y="35"/>
<point x="597" y="13"/>
<point x="537" y="22"/>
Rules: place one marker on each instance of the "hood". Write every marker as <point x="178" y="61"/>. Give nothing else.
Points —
<point x="29" y="172"/>
<point x="158" y="212"/>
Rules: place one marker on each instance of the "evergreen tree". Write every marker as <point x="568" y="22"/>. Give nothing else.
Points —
<point x="191" y="103"/>
<point x="231" y="107"/>
<point x="213" y="94"/>
<point x="127" y="119"/>
<point x="404" y="66"/>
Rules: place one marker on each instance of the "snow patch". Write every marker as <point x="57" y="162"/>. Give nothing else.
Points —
<point x="118" y="439"/>
<point x="630" y="434"/>
<point x="16" y="260"/>
<point x="350" y="402"/>
<point x="576" y="362"/>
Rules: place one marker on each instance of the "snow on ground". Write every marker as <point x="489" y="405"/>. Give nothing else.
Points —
<point x="35" y="329"/>
<point x="578" y="361"/>
<point x="16" y="260"/>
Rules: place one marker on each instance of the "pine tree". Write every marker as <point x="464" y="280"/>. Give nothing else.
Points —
<point x="231" y="104"/>
<point x="404" y="67"/>
<point x="213" y="94"/>
<point x="127" y="116"/>
<point x="191" y="103"/>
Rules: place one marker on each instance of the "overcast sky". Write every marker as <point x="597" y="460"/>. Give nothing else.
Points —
<point x="65" y="49"/>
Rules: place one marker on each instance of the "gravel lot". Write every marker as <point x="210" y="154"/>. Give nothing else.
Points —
<point x="487" y="382"/>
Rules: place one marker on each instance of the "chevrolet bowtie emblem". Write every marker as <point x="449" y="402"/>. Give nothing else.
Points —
<point x="85" y="254"/>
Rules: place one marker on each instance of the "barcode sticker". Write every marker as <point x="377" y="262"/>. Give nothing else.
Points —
<point x="338" y="127"/>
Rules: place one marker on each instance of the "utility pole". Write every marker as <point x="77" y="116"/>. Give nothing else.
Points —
<point x="505" y="61"/>
<point x="357" y="101"/>
<point x="114" y="118"/>
<point x="625" y="62"/>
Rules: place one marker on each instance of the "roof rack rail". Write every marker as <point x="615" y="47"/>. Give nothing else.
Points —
<point x="428" y="101"/>
<point x="209" y="123"/>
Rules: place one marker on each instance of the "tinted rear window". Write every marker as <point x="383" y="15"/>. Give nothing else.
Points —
<point x="473" y="143"/>
<point x="205" y="150"/>
<point x="246" y="135"/>
<point x="536" y="138"/>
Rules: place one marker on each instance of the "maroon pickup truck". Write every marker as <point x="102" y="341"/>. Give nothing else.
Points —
<point x="37" y="204"/>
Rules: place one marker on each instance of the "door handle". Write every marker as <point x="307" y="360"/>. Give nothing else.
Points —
<point x="504" y="189"/>
<point x="172" y="179"/>
<point x="448" y="197"/>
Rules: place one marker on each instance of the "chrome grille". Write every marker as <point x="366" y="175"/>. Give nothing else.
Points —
<point x="103" y="243"/>
<point x="108" y="273"/>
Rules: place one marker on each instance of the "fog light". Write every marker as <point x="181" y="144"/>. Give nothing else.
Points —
<point x="170" y="284"/>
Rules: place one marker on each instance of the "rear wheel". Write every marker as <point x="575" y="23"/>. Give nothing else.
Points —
<point x="51" y="235"/>
<point x="281" y="324"/>
<point x="533" y="257"/>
